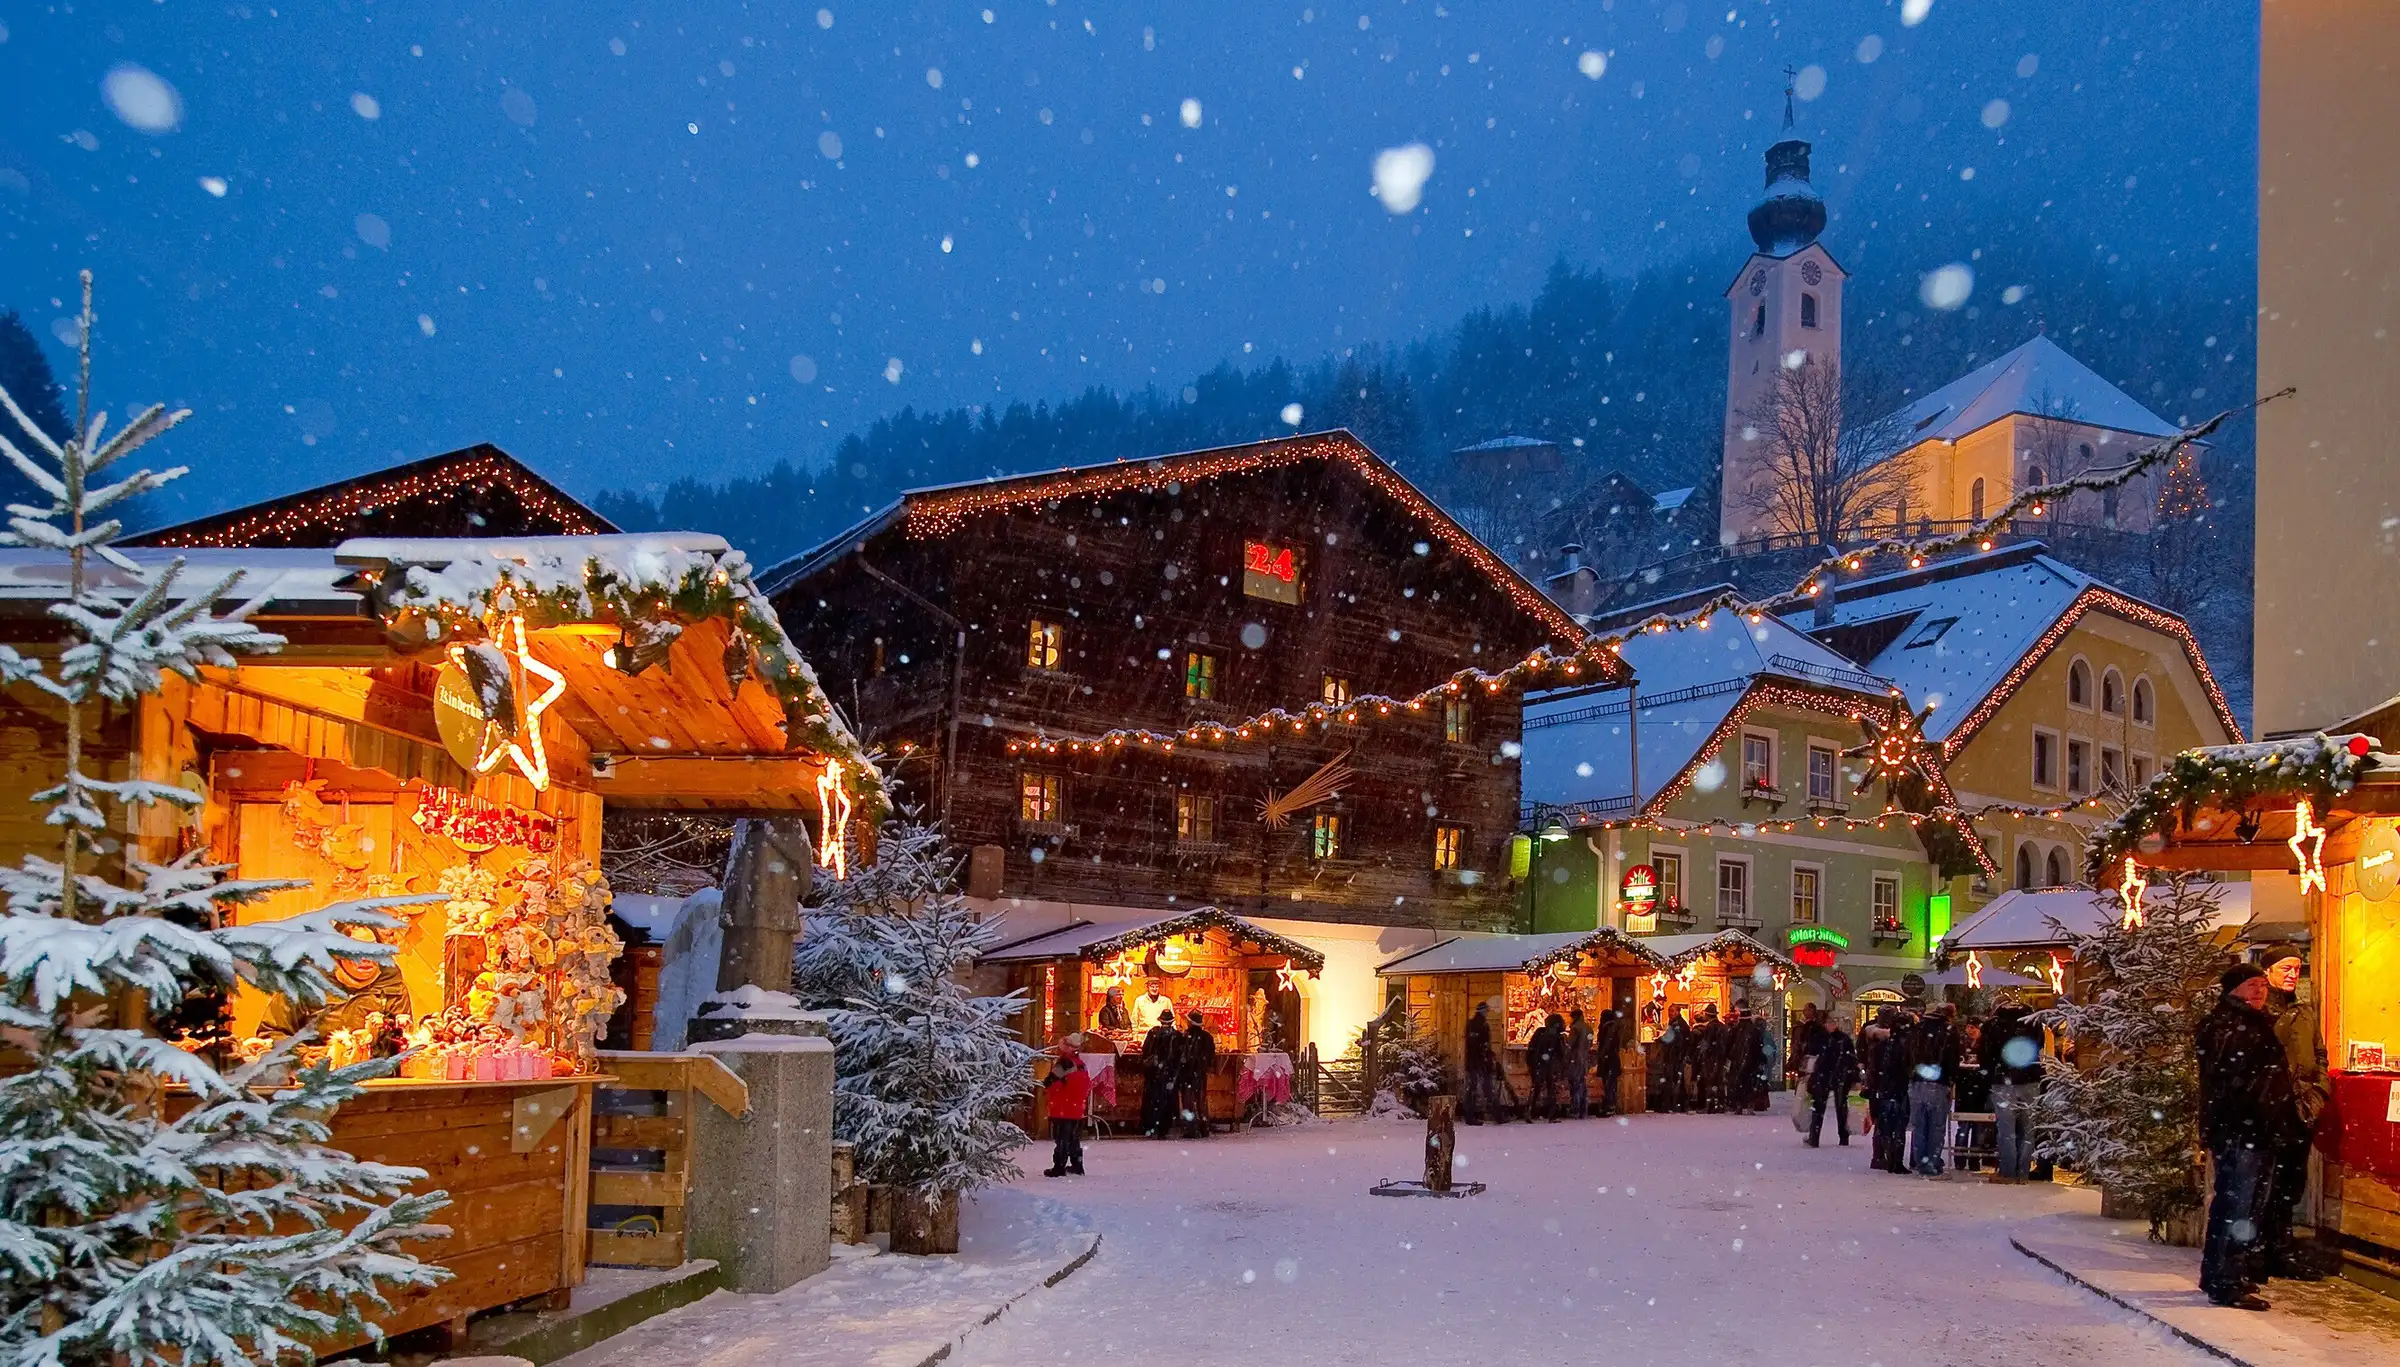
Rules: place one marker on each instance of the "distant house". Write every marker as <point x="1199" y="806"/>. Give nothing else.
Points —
<point x="1719" y="796"/>
<point x="479" y="491"/>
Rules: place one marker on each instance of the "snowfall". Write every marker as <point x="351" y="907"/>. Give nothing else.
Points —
<point x="1664" y="1239"/>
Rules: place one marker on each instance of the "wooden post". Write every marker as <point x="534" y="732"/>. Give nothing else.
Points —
<point x="1370" y="1073"/>
<point x="1441" y="1140"/>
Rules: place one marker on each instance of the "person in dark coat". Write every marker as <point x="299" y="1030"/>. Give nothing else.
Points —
<point x="1807" y="1041"/>
<point x="1829" y="1080"/>
<point x="1197" y="1060"/>
<point x="1888" y="1101"/>
<point x="2304" y="1050"/>
<point x="1674" y="1056"/>
<point x="2246" y="1114"/>
<point x="1933" y="1053"/>
<point x="1708" y="1060"/>
<point x="1162" y="1073"/>
<point x="2011" y="1051"/>
<point x="1483" y="1069"/>
<point x="1607" y="1061"/>
<point x="1545" y="1066"/>
<point x="1576" y="1063"/>
<point x="1745" y="1060"/>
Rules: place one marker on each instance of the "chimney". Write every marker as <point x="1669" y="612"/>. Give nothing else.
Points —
<point x="1573" y="553"/>
<point x="1577" y="587"/>
<point x="1828" y="596"/>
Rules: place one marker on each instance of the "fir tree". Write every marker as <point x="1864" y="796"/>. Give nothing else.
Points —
<point x="154" y="1210"/>
<point x="1408" y="1061"/>
<point x="2125" y="1112"/>
<point x="926" y="1072"/>
<point x="25" y="373"/>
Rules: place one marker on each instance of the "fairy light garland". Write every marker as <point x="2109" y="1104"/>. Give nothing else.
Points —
<point x="302" y="513"/>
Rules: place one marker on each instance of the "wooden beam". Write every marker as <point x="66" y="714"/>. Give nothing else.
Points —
<point x="762" y="781"/>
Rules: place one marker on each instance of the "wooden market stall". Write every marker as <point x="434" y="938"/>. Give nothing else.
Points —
<point x="2315" y="820"/>
<point x="2025" y="932"/>
<point x="1525" y="978"/>
<point x="446" y="721"/>
<point x="1093" y="981"/>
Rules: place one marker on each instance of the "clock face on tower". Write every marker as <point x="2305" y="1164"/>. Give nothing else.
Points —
<point x="1811" y="272"/>
<point x="1758" y="282"/>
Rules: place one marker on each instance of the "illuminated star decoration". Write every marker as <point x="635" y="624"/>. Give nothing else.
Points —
<point x="2058" y="974"/>
<point x="1896" y="748"/>
<point x="1974" y="969"/>
<point x="1685" y="974"/>
<point x="1658" y="983"/>
<point x="833" y="818"/>
<point x="2130" y="888"/>
<point x="1284" y="982"/>
<point x="499" y="742"/>
<point x="2308" y="846"/>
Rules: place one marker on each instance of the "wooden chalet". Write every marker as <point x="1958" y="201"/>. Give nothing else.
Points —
<point x="1526" y="978"/>
<point x="478" y="491"/>
<point x="1234" y="677"/>
<point x="452" y="717"/>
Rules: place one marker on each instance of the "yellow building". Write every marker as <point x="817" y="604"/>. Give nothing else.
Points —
<point x="2028" y="417"/>
<point x="2047" y="688"/>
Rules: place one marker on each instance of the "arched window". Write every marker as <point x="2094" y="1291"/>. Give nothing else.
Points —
<point x="2085" y="451"/>
<point x="1758" y="322"/>
<point x="2108" y="507"/>
<point x="2057" y="867"/>
<point x="2025" y="867"/>
<point x="2112" y="693"/>
<point x="1808" y="310"/>
<point x="1975" y="501"/>
<point x="2079" y="684"/>
<point x="2142" y="713"/>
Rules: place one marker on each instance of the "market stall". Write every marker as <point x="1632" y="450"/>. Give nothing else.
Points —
<point x="2315" y="820"/>
<point x="2025" y="932"/>
<point x="1106" y="985"/>
<point x="446" y="722"/>
<point x="1523" y="979"/>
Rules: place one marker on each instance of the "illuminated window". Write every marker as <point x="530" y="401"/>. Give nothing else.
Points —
<point x="1805" y="882"/>
<point x="1733" y="889"/>
<point x="1325" y="836"/>
<point x="1271" y="572"/>
<point x="1458" y="725"/>
<point x="1199" y="675"/>
<point x="1038" y="797"/>
<point x="1886" y="902"/>
<point x="1449" y="848"/>
<point x="1337" y="690"/>
<point x="1823" y="765"/>
<point x="1195" y="818"/>
<point x="1044" y="644"/>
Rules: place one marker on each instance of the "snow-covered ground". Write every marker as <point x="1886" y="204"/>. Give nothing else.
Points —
<point x="1665" y="1240"/>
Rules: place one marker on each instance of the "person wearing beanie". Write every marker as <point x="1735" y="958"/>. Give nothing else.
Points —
<point x="2246" y="1116"/>
<point x="2304" y="1050"/>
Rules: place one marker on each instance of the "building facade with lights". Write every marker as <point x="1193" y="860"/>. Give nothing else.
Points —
<point x="1736" y="787"/>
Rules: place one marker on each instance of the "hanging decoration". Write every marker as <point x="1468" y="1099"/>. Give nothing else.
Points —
<point x="476" y="825"/>
<point x="486" y="707"/>
<point x="2241" y="778"/>
<point x="833" y="821"/>
<point x="1896" y="749"/>
<point x="2058" y="974"/>
<point x="1324" y="785"/>
<point x="2308" y="846"/>
<point x="1974" y="969"/>
<point x="2129" y="891"/>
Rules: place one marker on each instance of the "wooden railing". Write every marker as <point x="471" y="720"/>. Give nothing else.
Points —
<point x="642" y="1151"/>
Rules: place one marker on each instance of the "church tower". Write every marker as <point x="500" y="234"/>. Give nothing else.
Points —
<point x="1784" y="309"/>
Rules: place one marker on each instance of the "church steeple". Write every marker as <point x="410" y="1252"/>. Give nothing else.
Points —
<point x="1789" y="215"/>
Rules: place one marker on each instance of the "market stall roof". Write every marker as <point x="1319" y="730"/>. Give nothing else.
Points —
<point x="1956" y="976"/>
<point x="604" y="611"/>
<point x="1095" y="941"/>
<point x="2042" y="918"/>
<point x="1475" y="952"/>
<point x="2224" y="807"/>
<point x="1679" y="950"/>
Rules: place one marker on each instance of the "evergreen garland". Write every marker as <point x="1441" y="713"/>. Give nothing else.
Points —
<point x="2227" y="778"/>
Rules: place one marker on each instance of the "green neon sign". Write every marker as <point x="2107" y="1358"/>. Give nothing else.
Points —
<point x="1937" y="916"/>
<point x="1818" y="935"/>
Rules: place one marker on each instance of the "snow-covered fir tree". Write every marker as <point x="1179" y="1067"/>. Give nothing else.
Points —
<point x="154" y="1210"/>
<point x="2125" y="1112"/>
<point x="1408" y="1060"/>
<point x="926" y="1072"/>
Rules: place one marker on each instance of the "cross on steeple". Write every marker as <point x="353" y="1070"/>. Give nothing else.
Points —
<point x="1789" y="76"/>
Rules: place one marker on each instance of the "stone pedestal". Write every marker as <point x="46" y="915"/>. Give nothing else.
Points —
<point x="762" y="1189"/>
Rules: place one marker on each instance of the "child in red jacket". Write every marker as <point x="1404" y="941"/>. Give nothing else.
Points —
<point x="1069" y="1093"/>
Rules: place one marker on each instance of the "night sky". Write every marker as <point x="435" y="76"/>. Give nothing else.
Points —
<point x="629" y="243"/>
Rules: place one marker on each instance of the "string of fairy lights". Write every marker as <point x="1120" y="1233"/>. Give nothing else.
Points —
<point x="313" y="512"/>
<point x="1597" y="655"/>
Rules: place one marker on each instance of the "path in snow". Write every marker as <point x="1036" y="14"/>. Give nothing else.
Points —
<point x="1667" y="1240"/>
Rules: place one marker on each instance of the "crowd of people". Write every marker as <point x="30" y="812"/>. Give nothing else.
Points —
<point x="1713" y="1064"/>
<point x="1916" y="1070"/>
<point x="1571" y="1063"/>
<point x="1175" y="1068"/>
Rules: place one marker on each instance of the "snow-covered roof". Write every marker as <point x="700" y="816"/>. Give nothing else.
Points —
<point x="1097" y="940"/>
<point x="292" y="582"/>
<point x="2038" y="378"/>
<point x="1679" y="950"/>
<point x="1479" y="952"/>
<point x="1673" y="499"/>
<point x="1950" y="634"/>
<point x="2020" y="919"/>
<point x="1577" y="753"/>
<point x="1509" y="443"/>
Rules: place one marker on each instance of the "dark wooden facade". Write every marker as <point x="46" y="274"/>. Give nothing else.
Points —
<point x="478" y="490"/>
<point x="1141" y="568"/>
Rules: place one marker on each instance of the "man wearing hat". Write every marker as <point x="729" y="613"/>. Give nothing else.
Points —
<point x="2245" y="1117"/>
<point x="2304" y="1053"/>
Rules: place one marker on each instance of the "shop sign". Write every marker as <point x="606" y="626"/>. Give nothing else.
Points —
<point x="1816" y="946"/>
<point x="1639" y="890"/>
<point x="1912" y="986"/>
<point x="1171" y="959"/>
<point x="2378" y="861"/>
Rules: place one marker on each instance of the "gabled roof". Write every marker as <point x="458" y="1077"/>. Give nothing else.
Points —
<point x="1475" y="952"/>
<point x="2039" y="379"/>
<point x="2042" y="918"/>
<point x="1679" y="950"/>
<point x="1095" y="941"/>
<point x="1577" y="753"/>
<point x="1960" y="635"/>
<point x="450" y="493"/>
<point x="943" y="509"/>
